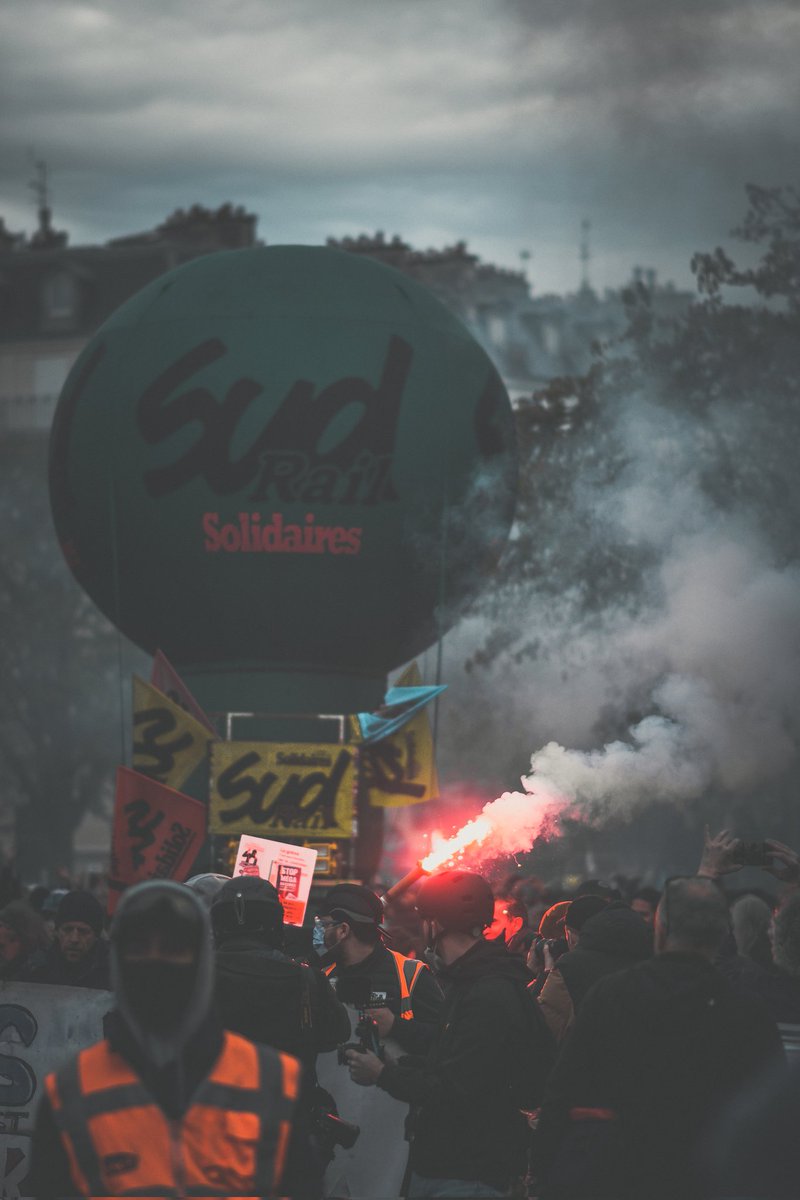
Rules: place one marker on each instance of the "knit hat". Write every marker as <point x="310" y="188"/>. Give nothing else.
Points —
<point x="552" y="922"/>
<point x="582" y="908"/>
<point x="80" y="906"/>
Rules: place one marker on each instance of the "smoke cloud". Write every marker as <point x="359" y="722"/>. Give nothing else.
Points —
<point x="682" y="689"/>
<point x="719" y="661"/>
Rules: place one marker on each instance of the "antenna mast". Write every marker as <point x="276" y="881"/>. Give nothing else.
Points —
<point x="585" y="255"/>
<point x="39" y="186"/>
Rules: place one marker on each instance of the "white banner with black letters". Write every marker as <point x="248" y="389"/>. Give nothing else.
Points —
<point x="41" y="1027"/>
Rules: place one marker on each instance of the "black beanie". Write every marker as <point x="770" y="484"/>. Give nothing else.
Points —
<point x="80" y="906"/>
<point x="582" y="909"/>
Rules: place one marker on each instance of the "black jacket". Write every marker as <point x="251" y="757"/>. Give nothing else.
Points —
<point x="93" y="972"/>
<point x="267" y="997"/>
<point x="755" y="1151"/>
<point x="664" y="1045"/>
<point x="775" y="988"/>
<point x="374" y="980"/>
<point x="611" y="940"/>
<point x="467" y="1125"/>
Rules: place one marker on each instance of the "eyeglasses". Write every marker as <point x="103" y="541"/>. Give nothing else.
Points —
<point x="325" y="924"/>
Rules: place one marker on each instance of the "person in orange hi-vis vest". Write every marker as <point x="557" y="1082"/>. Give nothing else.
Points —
<point x="401" y="1001"/>
<point x="401" y="993"/>
<point x="169" y="1104"/>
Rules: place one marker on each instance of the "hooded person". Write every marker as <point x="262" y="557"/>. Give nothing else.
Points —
<point x="469" y="1137"/>
<point x="168" y="1103"/>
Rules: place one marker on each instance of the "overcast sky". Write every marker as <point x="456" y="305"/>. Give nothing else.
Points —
<point x="499" y="122"/>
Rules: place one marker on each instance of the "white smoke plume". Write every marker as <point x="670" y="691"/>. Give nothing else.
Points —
<point x="698" y="675"/>
<point x="719" y="661"/>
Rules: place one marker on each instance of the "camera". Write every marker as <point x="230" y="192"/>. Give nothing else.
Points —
<point x="367" y="1036"/>
<point x="336" y="1131"/>
<point x="752" y="854"/>
<point x="328" y="1130"/>
<point x="556" y="946"/>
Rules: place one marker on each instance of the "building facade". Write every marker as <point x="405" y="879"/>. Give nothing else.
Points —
<point x="54" y="296"/>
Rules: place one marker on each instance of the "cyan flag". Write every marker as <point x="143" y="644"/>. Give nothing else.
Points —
<point x="399" y="705"/>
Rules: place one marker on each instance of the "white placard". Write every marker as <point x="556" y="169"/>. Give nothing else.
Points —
<point x="290" y="868"/>
<point x="374" y="1168"/>
<point x="42" y="1026"/>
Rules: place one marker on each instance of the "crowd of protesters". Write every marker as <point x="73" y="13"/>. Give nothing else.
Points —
<point x="619" y="1041"/>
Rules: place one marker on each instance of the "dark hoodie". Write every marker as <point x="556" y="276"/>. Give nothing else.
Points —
<point x="266" y="996"/>
<point x="615" y="938"/>
<point x="171" y="1066"/>
<point x="467" y="1125"/>
<point x="664" y="1045"/>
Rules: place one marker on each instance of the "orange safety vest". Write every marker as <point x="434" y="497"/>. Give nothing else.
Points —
<point x="408" y="972"/>
<point x="232" y="1140"/>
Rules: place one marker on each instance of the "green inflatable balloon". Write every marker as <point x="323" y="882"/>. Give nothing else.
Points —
<point x="283" y="460"/>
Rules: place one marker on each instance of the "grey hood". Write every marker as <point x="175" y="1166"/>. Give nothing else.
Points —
<point x="155" y="900"/>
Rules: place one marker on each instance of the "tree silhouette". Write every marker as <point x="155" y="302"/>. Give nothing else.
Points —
<point x="60" y="732"/>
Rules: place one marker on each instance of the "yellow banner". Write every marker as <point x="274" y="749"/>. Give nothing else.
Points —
<point x="286" y="790"/>
<point x="353" y="728"/>
<point x="401" y="769"/>
<point x="168" y="743"/>
<point x="410" y="677"/>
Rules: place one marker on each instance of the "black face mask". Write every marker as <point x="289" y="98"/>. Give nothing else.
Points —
<point x="158" y="993"/>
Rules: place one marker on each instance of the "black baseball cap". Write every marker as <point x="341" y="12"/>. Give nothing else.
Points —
<point x="356" y="903"/>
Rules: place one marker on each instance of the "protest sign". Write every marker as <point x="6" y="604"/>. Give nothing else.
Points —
<point x="168" y="743"/>
<point x="164" y="677"/>
<point x="401" y="769"/>
<point x="289" y="868"/>
<point x="295" y="790"/>
<point x="41" y="1027"/>
<point x="157" y="833"/>
<point x="375" y="1165"/>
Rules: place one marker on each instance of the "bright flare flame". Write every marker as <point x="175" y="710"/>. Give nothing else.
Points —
<point x="508" y="825"/>
<point x="472" y="834"/>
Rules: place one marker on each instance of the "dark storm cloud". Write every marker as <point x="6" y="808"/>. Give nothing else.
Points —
<point x="664" y="111"/>
<point x="705" y="87"/>
<point x="500" y="123"/>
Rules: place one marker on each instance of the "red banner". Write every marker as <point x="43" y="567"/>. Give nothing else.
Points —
<point x="164" y="677"/>
<point x="157" y="833"/>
